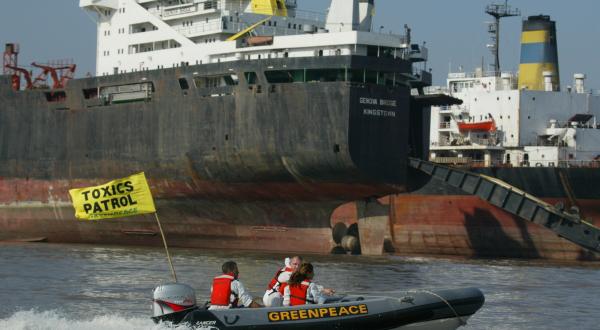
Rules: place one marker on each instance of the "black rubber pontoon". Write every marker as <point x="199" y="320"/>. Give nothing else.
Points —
<point x="445" y="309"/>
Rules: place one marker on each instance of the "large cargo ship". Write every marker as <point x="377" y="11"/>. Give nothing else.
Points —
<point x="252" y="119"/>
<point x="523" y="129"/>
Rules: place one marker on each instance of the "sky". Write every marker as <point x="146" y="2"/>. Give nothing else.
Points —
<point x="455" y="31"/>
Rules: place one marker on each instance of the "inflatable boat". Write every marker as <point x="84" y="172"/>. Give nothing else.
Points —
<point x="443" y="309"/>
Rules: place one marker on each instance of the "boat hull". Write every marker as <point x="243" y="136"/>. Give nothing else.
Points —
<point x="444" y="309"/>
<point x="229" y="167"/>
<point x="437" y="219"/>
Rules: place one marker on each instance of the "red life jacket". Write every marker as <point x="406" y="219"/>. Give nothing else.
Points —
<point x="275" y="285"/>
<point x="299" y="294"/>
<point x="221" y="291"/>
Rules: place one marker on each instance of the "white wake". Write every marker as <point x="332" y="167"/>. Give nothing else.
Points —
<point x="53" y="320"/>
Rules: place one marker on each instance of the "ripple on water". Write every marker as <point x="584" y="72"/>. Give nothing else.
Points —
<point x="56" y="320"/>
<point x="87" y="287"/>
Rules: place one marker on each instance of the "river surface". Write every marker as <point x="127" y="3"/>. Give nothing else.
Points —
<point x="47" y="286"/>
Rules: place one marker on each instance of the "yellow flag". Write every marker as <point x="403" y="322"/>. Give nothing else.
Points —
<point x="119" y="198"/>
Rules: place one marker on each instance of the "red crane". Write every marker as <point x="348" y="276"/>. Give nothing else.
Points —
<point x="60" y="74"/>
<point x="10" y="65"/>
<point x="16" y="78"/>
<point x="60" y="71"/>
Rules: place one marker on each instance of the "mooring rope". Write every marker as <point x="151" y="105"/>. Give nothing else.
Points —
<point x="462" y="322"/>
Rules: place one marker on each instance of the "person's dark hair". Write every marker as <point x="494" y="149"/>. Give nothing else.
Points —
<point x="229" y="267"/>
<point x="305" y="271"/>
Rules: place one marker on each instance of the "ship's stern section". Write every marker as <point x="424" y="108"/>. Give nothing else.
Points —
<point x="379" y="127"/>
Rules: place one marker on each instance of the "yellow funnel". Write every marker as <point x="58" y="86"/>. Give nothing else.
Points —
<point x="269" y="7"/>
<point x="539" y="54"/>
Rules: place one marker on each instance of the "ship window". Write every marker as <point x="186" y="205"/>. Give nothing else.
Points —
<point x="216" y="81"/>
<point x="285" y="76"/>
<point x="356" y="76"/>
<point x="387" y="79"/>
<point x="183" y="83"/>
<point x="127" y="93"/>
<point x="387" y="52"/>
<point x="325" y="75"/>
<point x="371" y="77"/>
<point x="210" y="5"/>
<point x="55" y="96"/>
<point x="372" y="51"/>
<point x="90" y="93"/>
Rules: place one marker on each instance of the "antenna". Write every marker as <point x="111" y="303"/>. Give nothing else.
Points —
<point x="498" y="11"/>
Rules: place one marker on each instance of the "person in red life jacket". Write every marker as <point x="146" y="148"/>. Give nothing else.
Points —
<point x="228" y="292"/>
<point x="274" y="295"/>
<point x="301" y="290"/>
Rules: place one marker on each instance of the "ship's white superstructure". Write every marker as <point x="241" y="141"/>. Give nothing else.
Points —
<point x="138" y="35"/>
<point x="518" y="119"/>
<point x="501" y="125"/>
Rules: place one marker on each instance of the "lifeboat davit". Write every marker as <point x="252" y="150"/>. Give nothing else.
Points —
<point x="482" y="126"/>
<point x="443" y="309"/>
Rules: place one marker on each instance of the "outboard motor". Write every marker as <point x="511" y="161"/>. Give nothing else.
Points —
<point x="172" y="302"/>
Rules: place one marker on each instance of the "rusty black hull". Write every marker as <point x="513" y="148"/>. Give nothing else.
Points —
<point x="438" y="219"/>
<point x="235" y="162"/>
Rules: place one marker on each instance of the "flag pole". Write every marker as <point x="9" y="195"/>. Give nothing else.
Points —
<point x="166" y="248"/>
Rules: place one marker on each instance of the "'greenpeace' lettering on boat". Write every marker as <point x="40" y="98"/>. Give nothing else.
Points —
<point x="318" y="313"/>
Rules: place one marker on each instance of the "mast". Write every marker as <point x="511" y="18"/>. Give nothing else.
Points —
<point x="498" y="11"/>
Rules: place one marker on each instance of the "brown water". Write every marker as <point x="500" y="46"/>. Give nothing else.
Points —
<point x="45" y="286"/>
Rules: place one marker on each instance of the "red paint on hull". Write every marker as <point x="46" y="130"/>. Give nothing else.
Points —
<point x="20" y="224"/>
<point x="32" y="190"/>
<point x="41" y="209"/>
